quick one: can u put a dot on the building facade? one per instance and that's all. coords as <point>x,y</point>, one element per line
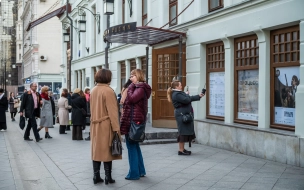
<point>41,46</point>
<point>247,54</point>
<point>9,70</point>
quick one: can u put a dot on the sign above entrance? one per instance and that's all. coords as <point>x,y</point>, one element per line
<point>122,28</point>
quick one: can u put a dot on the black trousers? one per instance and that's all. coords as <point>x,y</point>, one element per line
<point>13,114</point>
<point>32,124</point>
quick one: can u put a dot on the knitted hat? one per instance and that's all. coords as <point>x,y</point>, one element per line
<point>77,90</point>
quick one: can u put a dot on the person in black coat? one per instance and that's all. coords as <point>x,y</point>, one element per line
<point>182,104</point>
<point>3,108</point>
<point>79,110</point>
<point>30,107</point>
<point>69,97</point>
<point>53,105</point>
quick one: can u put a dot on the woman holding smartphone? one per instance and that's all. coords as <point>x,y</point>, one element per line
<point>182,104</point>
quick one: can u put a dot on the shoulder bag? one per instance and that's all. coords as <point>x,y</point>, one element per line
<point>137,130</point>
<point>116,145</point>
<point>187,117</point>
<point>84,113</point>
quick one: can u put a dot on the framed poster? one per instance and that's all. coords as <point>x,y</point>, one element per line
<point>285,87</point>
<point>57,87</point>
<point>42,84</point>
<point>217,93</point>
<point>248,86</point>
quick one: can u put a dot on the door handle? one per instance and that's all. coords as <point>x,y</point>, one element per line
<point>153,94</point>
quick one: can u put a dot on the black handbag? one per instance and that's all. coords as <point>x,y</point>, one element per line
<point>22,122</point>
<point>84,113</point>
<point>137,130</point>
<point>116,145</point>
<point>187,117</point>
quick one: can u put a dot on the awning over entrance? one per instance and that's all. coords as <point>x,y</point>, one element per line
<point>130,34</point>
<point>57,12</point>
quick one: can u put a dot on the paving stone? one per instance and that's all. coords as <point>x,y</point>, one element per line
<point>228,184</point>
<point>257,186</point>
<point>263,180</point>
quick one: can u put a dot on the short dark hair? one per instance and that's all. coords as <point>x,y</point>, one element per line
<point>103,76</point>
<point>64,92</point>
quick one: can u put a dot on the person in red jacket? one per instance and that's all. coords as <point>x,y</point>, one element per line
<point>136,102</point>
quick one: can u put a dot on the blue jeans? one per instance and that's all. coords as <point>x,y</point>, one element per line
<point>136,161</point>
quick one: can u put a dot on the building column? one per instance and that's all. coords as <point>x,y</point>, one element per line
<point>138,63</point>
<point>264,78</point>
<point>299,129</point>
<point>229,79</point>
<point>128,68</point>
<point>83,79</point>
<point>79,79</point>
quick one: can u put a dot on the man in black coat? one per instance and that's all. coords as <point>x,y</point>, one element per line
<point>30,107</point>
<point>3,108</point>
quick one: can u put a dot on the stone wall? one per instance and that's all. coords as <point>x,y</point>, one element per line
<point>270,144</point>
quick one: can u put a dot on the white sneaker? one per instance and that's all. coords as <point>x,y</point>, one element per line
<point>3,130</point>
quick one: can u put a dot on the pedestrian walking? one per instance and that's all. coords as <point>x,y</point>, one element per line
<point>135,106</point>
<point>53,106</point>
<point>30,107</point>
<point>63,111</point>
<point>21,97</point>
<point>182,103</point>
<point>104,125</point>
<point>79,113</point>
<point>46,115</point>
<point>3,107</point>
<point>88,118</point>
<point>13,105</point>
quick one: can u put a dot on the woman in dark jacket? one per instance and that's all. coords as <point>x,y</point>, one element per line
<point>78,117</point>
<point>12,101</point>
<point>137,103</point>
<point>182,104</point>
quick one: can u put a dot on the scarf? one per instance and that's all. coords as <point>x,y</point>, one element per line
<point>45,96</point>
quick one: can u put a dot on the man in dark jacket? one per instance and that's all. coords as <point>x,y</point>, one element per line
<point>30,107</point>
<point>3,108</point>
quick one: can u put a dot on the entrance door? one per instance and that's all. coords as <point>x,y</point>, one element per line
<point>165,64</point>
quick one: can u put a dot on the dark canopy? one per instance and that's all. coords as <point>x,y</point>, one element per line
<point>130,34</point>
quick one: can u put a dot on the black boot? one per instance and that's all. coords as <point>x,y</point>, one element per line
<point>108,171</point>
<point>68,128</point>
<point>47,135</point>
<point>96,168</point>
<point>62,129</point>
<point>88,138</point>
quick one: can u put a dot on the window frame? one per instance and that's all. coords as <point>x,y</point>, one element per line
<point>274,65</point>
<point>143,65</point>
<point>210,70</point>
<point>122,73</point>
<point>144,16</point>
<point>215,8</point>
<point>171,4</point>
<point>132,64</point>
<point>241,68</point>
<point>123,10</point>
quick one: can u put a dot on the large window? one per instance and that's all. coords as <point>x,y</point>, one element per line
<point>144,12</point>
<point>246,79</point>
<point>123,10</point>
<point>167,69</point>
<point>144,65</point>
<point>215,81</point>
<point>285,73</point>
<point>172,12</point>
<point>132,64</point>
<point>215,4</point>
<point>122,73</point>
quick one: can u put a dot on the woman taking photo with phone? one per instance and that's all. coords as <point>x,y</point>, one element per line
<point>183,114</point>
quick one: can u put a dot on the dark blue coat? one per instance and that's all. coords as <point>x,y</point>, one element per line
<point>182,104</point>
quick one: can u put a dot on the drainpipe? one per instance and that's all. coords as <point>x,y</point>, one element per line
<point>69,64</point>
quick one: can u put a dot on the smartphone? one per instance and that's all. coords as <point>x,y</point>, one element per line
<point>204,90</point>
<point>187,89</point>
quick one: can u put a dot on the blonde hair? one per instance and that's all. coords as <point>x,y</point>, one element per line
<point>174,84</point>
<point>44,89</point>
<point>139,74</point>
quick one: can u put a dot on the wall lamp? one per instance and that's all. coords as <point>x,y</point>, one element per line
<point>82,23</point>
<point>66,36</point>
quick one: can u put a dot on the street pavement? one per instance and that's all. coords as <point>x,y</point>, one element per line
<point>61,163</point>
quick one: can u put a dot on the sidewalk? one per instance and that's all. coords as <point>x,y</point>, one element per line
<point>61,163</point>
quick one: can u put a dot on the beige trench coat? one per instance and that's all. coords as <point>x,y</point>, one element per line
<point>104,121</point>
<point>63,112</point>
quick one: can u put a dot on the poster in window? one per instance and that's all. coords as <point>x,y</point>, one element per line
<point>42,84</point>
<point>217,94</point>
<point>57,87</point>
<point>285,87</point>
<point>248,86</point>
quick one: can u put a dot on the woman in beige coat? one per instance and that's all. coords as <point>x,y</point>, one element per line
<point>63,111</point>
<point>104,124</point>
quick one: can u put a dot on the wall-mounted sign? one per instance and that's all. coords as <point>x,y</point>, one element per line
<point>122,28</point>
